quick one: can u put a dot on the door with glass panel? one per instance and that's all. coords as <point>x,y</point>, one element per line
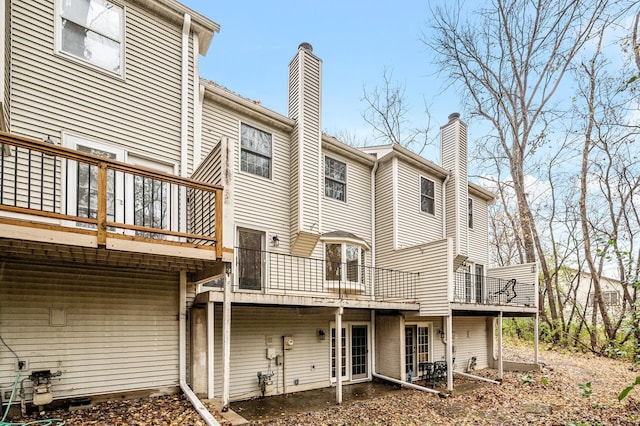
<point>250,259</point>
<point>359,352</point>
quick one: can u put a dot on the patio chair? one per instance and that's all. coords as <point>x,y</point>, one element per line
<point>439,372</point>
<point>426,371</point>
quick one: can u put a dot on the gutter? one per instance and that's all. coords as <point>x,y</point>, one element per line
<point>197,404</point>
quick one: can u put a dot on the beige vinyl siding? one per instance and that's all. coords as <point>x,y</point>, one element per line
<point>121,329</point>
<point>52,93</point>
<point>354,215</point>
<point>253,329</point>
<point>526,275</point>
<point>470,339</point>
<point>384,211</point>
<point>294,189</point>
<point>389,346</point>
<point>414,225</point>
<point>6,72</point>
<point>210,168</point>
<point>311,167</point>
<point>216,123</point>
<point>479,234</point>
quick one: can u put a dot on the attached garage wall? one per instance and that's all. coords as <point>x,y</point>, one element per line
<point>107,330</point>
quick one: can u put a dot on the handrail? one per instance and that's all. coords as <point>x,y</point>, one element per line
<point>44,180</point>
<point>485,290</point>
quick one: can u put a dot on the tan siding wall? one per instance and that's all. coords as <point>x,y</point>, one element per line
<point>253,329</point>
<point>7,65</point>
<point>384,211</point>
<point>479,234</point>
<point>210,168</point>
<point>354,215</point>
<point>310,114</point>
<point>51,93</point>
<point>121,330</point>
<point>389,346</point>
<point>414,225</point>
<point>470,340</point>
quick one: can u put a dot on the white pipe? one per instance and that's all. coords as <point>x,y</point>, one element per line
<point>373,230</point>
<point>182,343</point>
<point>471,376</point>
<point>407,384</point>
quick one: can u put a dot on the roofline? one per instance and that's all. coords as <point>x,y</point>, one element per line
<point>175,11</point>
<point>398,150</point>
<point>481,192</point>
<point>334,144</point>
<point>246,106</point>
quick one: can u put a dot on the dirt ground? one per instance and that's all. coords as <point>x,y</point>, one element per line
<point>571,389</point>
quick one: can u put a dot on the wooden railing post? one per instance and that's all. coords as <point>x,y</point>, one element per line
<point>218,231</point>
<point>102,204</point>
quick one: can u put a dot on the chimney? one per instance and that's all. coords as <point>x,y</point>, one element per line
<point>453,156</point>
<point>305,71</point>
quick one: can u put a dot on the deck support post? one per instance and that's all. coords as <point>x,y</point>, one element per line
<point>500,367</point>
<point>226,340</point>
<point>338,354</point>
<point>449,352</point>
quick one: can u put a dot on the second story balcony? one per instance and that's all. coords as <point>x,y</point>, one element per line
<point>470,288</point>
<point>85,198</point>
<point>269,273</point>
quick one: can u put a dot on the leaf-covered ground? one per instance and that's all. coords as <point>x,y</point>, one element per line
<point>557,395</point>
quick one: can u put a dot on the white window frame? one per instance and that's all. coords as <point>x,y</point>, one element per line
<point>348,325</point>
<point>346,173</point>
<point>432,213</point>
<point>429,326</point>
<point>470,213</point>
<point>240,149</point>
<point>58,40</point>
<point>264,270</point>
<point>343,282</point>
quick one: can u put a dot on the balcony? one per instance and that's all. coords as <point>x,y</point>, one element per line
<point>482,290</point>
<point>55,195</point>
<point>283,274</point>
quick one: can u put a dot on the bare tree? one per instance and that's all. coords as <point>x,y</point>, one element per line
<point>387,112</point>
<point>509,61</point>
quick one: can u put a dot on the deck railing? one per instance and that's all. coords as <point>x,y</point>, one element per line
<point>94,194</point>
<point>480,289</point>
<point>279,273</point>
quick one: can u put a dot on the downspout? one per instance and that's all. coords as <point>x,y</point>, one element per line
<point>182,318</point>
<point>373,229</point>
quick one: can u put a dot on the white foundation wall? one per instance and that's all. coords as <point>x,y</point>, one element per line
<point>255,328</point>
<point>106,330</point>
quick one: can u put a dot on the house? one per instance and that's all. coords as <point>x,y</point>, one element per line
<point>376,248</point>
<point>159,232</point>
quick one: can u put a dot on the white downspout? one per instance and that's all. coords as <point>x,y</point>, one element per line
<point>373,230</point>
<point>182,344</point>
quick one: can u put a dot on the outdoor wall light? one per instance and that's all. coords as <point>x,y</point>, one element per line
<point>49,140</point>
<point>321,334</point>
<point>227,268</point>
<point>276,241</point>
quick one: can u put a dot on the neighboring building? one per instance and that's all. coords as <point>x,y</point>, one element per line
<point>176,234</point>
<point>579,290</point>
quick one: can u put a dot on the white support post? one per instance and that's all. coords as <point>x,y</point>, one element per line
<point>373,342</point>
<point>210,350</point>
<point>226,342</point>
<point>535,340</point>
<point>338,352</point>
<point>500,370</point>
<point>449,353</point>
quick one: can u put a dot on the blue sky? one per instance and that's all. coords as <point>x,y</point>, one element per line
<point>356,40</point>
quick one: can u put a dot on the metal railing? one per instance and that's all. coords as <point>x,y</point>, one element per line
<point>94,194</point>
<point>480,289</point>
<point>279,273</point>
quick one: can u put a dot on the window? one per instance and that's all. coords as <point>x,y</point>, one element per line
<point>479,284</point>
<point>93,30</point>
<point>335,179</point>
<point>427,196</point>
<point>255,151</point>
<point>250,259</point>
<point>611,298</point>
<point>343,262</point>
<point>470,212</point>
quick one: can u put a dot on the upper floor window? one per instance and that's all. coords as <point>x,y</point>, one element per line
<point>427,196</point>
<point>343,262</point>
<point>335,179</point>
<point>611,298</point>
<point>93,30</point>
<point>255,151</point>
<point>470,212</point>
